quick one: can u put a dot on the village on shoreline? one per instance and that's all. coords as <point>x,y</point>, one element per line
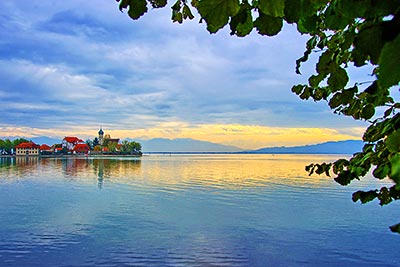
<point>102,145</point>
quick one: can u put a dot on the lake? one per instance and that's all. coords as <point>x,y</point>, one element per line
<point>188,210</point>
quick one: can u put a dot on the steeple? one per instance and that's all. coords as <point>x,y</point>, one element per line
<point>101,136</point>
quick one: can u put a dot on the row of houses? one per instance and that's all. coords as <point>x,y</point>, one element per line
<point>70,144</point>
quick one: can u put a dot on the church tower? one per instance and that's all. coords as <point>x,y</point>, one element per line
<point>101,136</point>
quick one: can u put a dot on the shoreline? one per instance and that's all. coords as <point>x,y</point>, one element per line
<point>70,156</point>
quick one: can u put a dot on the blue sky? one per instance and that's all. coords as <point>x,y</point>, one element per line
<point>67,67</point>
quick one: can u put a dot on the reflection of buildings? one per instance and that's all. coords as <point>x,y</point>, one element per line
<point>88,168</point>
<point>118,169</point>
<point>27,162</point>
<point>75,167</point>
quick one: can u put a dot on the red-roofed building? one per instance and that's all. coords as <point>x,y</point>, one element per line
<point>81,148</point>
<point>27,149</point>
<point>69,142</point>
<point>45,147</point>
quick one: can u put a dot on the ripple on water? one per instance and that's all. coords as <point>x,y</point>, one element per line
<point>201,255</point>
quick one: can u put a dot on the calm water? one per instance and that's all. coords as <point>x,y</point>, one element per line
<point>201,210</point>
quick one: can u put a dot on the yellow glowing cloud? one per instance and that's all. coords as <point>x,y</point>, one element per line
<point>243,136</point>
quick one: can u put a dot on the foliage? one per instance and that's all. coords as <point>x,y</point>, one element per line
<point>7,145</point>
<point>131,147</point>
<point>345,33</point>
<point>90,144</point>
<point>112,146</point>
<point>95,142</point>
<point>97,148</point>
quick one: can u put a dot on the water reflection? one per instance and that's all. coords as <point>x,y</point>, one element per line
<point>233,171</point>
<point>175,173</point>
<point>197,210</point>
<point>82,169</point>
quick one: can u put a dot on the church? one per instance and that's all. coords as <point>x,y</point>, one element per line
<point>106,139</point>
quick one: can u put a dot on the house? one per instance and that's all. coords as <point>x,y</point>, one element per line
<point>69,142</point>
<point>107,140</point>
<point>81,148</point>
<point>58,150</point>
<point>27,149</point>
<point>45,148</point>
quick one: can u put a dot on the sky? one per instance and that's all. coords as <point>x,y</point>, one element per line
<point>71,67</point>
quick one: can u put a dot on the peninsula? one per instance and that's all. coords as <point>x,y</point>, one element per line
<point>102,144</point>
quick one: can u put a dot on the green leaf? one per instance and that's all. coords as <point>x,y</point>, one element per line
<point>216,13</point>
<point>292,10</point>
<point>268,25</point>
<point>158,3</point>
<point>382,8</point>
<point>364,197</point>
<point>353,8</point>
<point>388,112</point>
<point>369,42</point>
<point>308,24</point>
<point>177,16</point>
<point>338,79</point>
<point>393,141</point>
<point>326,64</point>
<point>137,8</point>
<point>358,57</point>
<point>381,171</point>
<point>319,94</point>
<point>339,165</point>
<point>297,89</point>
<point>384,196</point>
<point>348,95</point>
<point>395,228</point>
<point>306,93</point>
<point>315,80</point>
<point>124,4</point>
<point>242,23</point>
<point>335,101</point>
<point>368,111</point>
<point>187,13</point>
<point>344,177</point>
<point>395,169</point>
<point>335,20</point>
<point>389,70</point>
<point>304,58</point>
<point>177,6</point>
<point>273,8</point>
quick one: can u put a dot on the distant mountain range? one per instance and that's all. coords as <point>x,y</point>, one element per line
<point>183,145</point>
<point>339,147</point>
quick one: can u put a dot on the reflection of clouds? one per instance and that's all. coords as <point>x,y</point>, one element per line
<point>232,171</point>
<point>176,172</point>
<point>179,171</point>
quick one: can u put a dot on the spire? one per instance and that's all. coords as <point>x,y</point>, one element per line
<point>101,131</point>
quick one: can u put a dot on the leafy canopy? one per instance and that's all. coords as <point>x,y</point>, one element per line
<point>344,33</point>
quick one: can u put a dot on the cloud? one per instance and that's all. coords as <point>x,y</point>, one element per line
<point>243,136</point>
<point>69,65</point>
